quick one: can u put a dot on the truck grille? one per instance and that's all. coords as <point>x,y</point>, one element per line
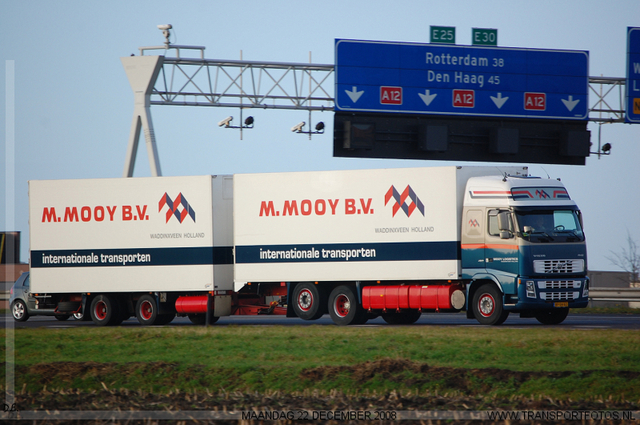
<point>558,266</point>
<point>559,296</point>
<point>558,284</point>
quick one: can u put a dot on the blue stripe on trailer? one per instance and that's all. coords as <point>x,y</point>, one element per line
<point>181,256</point>
<point>344,252</point>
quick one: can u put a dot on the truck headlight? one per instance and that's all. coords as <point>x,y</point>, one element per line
<point>531,289</point>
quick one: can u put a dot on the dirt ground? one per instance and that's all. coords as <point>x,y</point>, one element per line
<point>466,384</point>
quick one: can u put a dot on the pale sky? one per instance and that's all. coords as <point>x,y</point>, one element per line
<point>73,103</point>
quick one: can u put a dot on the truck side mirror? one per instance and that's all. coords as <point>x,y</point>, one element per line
<point>503,221</point>
<point>504,225</point>
<point>580,219</point>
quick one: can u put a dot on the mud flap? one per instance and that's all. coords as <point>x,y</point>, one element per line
<point>222,305</point>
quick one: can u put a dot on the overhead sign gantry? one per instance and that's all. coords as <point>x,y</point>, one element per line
<point>178,78</point>
<point>414,78</point>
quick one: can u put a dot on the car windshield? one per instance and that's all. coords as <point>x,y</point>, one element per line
<point>542,226</point>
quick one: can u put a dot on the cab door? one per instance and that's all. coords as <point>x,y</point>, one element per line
<point>501,250</point>
<point>472,244</point>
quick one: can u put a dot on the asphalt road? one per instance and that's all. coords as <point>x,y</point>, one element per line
<point>574,321</point>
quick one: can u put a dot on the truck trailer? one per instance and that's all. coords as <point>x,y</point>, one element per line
<point>354,244</point>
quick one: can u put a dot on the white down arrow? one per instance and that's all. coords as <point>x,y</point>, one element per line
<point>354,94</point>
<point>570,103</point>
<point>427,97</point>
<point>499,101</point>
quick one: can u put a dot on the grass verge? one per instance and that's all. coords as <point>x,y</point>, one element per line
<point>486,362</point>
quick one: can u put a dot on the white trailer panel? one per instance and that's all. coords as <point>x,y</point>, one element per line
<point>391,224</point>
<point>130,235</point>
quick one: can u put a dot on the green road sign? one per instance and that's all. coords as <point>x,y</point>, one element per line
<point>484,37</point>
<point>444,35</point>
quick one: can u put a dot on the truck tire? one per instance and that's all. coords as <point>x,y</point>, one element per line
<point>19,311</point>
<point>344,308</point>
<point>403,318</point>
<point>68,306</point>
<point>309,301</point>
<point>105,311</point>
<point>552,317</point>
<point>147,310</point>
<point>200,318</point>
<point>487,306</point>
<point>62,317</point>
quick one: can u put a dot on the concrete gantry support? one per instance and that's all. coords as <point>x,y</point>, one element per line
<point>142,72</point>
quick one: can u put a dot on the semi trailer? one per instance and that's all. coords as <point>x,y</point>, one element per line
<point>354,244</point>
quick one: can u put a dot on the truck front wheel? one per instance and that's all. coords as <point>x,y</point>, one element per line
<point>104,310</point>
<point>344,308</point>
<point>487,306</point>
<point>309,301</point>
<point>552,317</point>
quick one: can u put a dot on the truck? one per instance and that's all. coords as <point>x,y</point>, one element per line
<point>354,244</point>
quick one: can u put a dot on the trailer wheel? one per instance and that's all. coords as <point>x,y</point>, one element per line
<point>19,311</point>
<point>487,306</point>
<point>552,317</point>
<point>68,306</point>
<point>309,301</point>
<point>404,318</point>
<point>344,308</point>
<point>105,311</point>
<point>147,310</point>
<point>200,318</point>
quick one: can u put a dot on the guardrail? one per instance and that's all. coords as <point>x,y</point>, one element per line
<point>614,294</point>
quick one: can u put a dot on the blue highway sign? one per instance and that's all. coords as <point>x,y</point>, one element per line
<point>633,75</point>
<point>416,78</point>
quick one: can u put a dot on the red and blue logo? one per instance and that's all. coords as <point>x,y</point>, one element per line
<point>541,193</point>
<point>174,207</point>
<point>408,201</point>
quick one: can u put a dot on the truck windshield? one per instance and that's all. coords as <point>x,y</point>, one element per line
<point>543,226</point>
